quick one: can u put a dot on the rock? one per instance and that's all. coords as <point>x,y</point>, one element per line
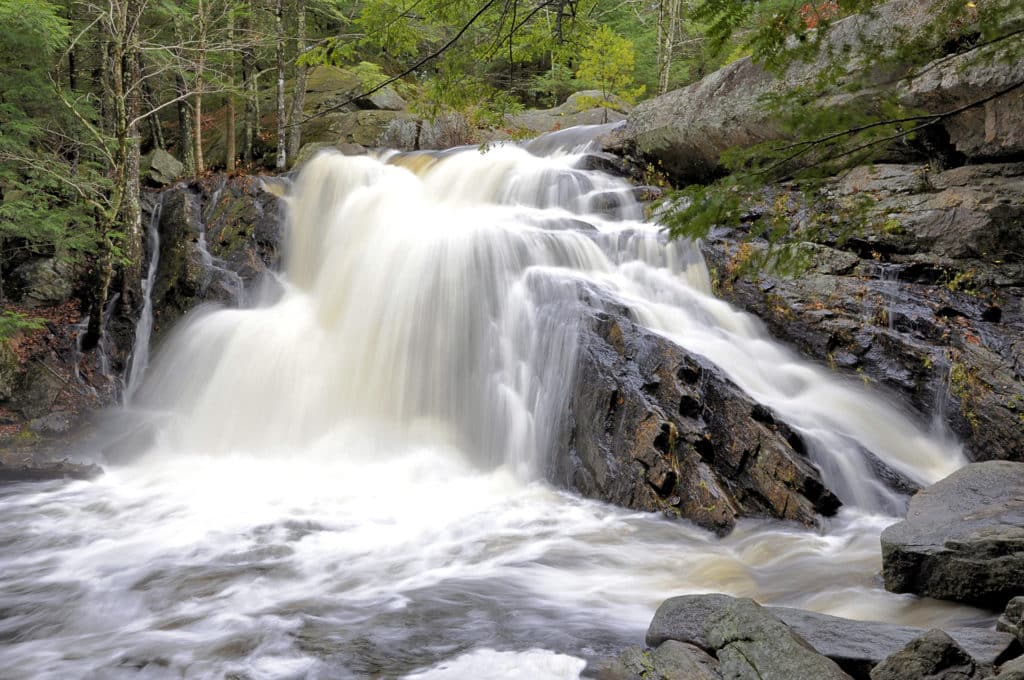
<point>857,646</point>
<point>963,538</point>
<point>10,369</point>
<point>384,99</point>
<point>752,643</point>
<point>589,107</point>
<point>1012,619</point>
<point>686,131</point>
<point>65,469</point>
<point>161,168</point>
<point>42,282</point>
<point>924,301</point>
<point>38,392</point>
<point>670,661</point>
<point>1011,670</point>
<point>934,655</point>
<point>652,426</point>
<point>56,422</point>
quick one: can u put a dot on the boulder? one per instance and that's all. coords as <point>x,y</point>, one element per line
<point>161,168</point>
<point>10,369</point>
<point>589,107</point>
<point>652,426</point>
<point>670,661</point>
<point>687,130</point>
<point>933,656</point>
<point>39,390</point>
<point>751,643</point>
<point>56,422</point>
<point>64,469</point>
<point>963,538</point>
<point>857,646</point>
<point>1012,619</point>
<point>42,282</point>
<point>1011,670</point>
<point>384,99</point>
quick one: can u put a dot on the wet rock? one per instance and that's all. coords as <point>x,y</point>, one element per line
<point>944,334</point>
<point>963,538</point>
<point>857,646</point>
<point>654,427</point>
<point>750,642</point>
<point>64,469</point>
<point>934,655</point>
<point>670,661</point>
<point>161,168</point>
<point>1012,619</point>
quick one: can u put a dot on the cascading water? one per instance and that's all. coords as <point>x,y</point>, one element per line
<point>139,361</point>
<point>346,480</point>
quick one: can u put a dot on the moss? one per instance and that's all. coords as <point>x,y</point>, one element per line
<point>965,385</point>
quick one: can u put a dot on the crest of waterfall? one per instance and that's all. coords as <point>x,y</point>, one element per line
<point>433,298</point>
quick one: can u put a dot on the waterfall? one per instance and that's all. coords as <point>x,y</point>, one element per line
<point>346,477</point>
<point>139,360</point>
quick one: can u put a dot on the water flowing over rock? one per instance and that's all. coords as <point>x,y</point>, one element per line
<point>963,538</point>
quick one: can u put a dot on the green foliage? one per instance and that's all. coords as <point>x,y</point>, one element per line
<point>607,62</point>
<point>16,322</point>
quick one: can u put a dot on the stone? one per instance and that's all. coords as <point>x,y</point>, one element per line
<point>56,422</point>
<point>933,656</point>
<point>670,661</point>
<point>161,168</point>
<point>64,469</point>
<point>10,370</point>
<point>963,538</point>
<point>384,99</point>
<point>685,131</point>
<point>1011,670</point>
<point>38,392</point>
<point>589,107</point>
<point>857,646</point>
<point>43,282</point>
<point>1012,619</point>
<point>751,643</point>
<point>652,426</point>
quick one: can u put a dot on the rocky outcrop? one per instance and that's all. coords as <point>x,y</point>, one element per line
<point>64,469</point>
<point>856,646</point>
<point>686,130</point>
<point>671,660</point>
<point>652,426</point>
<point>589,107</point>
<point>963,538</point>
<point>1012,619</point>
<point>923,299</point>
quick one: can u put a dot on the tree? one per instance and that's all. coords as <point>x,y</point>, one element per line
<point>607,62</point>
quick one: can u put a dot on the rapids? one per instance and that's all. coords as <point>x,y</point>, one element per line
<point>346,477</point>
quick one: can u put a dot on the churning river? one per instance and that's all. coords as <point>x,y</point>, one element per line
<point>345,477</point>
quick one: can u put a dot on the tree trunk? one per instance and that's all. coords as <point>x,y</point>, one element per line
<point>229,126</point>
<point>250,124</point>
<point>668,28</point>
<point>185,144</point>
<point>299,93</point>
<point>282,149</point>
<point>200,64</point>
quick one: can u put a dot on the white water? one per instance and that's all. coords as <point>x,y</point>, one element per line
<point>139,361</point>
<point>346,481</point>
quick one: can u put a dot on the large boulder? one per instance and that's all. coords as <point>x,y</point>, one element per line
<point>652,426</point>
<point>963,538</point>
<point>933,656</point>
<point>1012,619</point>
<point>42,282</point>
<point>687,130</point>
<point>589,107</point>
<point>161,168</point>
<point>751,643</point>
<point>670,661</point>
<point>857,646</point>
